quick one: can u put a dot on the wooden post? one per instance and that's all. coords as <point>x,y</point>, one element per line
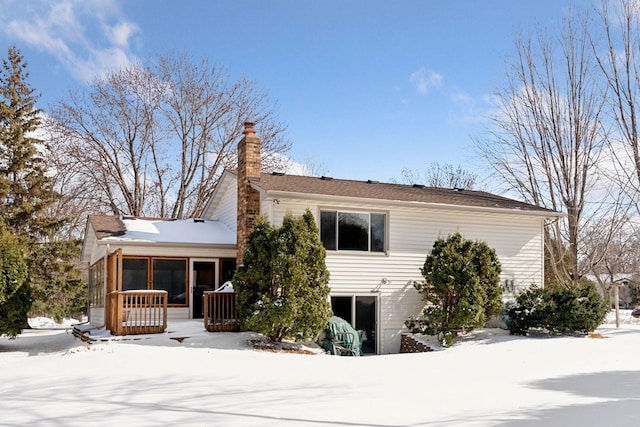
<point>617,297</point>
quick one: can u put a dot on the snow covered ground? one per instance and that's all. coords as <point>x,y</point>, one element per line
<point>49,378</point>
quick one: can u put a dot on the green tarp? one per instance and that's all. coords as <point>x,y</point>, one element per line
<point>340,333</point>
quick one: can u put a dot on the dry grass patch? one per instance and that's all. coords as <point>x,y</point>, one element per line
<point>596,335</point>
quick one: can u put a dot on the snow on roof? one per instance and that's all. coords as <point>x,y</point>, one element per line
<point>176,231</point>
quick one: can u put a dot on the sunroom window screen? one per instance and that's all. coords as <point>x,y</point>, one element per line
<point>134,273</point>
<point>171,275</point>
<point>165,275</point>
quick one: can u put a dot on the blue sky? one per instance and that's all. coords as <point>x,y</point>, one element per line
<point>366,88</point>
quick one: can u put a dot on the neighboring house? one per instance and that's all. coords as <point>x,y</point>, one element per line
<point>626,286</point>
<point>377,237</point>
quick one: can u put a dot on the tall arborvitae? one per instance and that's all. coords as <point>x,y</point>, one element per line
<point>282,286</point>
<point>15,296</point>
<point>26,192</point>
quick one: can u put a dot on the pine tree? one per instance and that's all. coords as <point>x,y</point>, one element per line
<point>57,287</point>
<point>25,188</point>
<point>26,192</point>
<point>282,285</point>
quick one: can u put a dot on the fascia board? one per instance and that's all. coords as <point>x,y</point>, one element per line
<point>411,204</point>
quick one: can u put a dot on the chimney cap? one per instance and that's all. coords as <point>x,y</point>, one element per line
<point>249,128</point>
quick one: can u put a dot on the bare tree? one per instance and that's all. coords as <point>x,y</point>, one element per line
<point>152,139</point>
<point>609,250</point>
<point>547,136</point>
<point>308,167</point>
<point>441,175</point>
<point>619,61</point>
<point>77,196</point>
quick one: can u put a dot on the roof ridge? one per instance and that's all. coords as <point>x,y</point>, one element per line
<point>392,191</point>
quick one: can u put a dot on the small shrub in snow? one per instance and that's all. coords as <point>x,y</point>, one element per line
<point>528,312</point>
<point>558,309</point>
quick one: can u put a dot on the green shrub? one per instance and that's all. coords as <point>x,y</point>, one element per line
<point>461,288</point>
<point>282,285</point>
<point>557,309</point>
<point>15,294</point>
<point>57,288</point>
<point>528,311</point>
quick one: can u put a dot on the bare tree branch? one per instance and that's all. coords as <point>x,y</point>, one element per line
<point>441,175</point>
<point>153,140</point>
<point>548,134</point>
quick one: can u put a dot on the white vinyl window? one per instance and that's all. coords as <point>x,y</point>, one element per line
<point>353,231</point>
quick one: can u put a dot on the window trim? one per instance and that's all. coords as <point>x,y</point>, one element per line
<point>337,211</point>
<point>97,284</point>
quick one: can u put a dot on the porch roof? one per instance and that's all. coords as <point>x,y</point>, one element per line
<point>184,231</point>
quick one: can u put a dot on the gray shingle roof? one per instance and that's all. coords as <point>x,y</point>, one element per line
<point>107,226</point>
<point>391,192</point>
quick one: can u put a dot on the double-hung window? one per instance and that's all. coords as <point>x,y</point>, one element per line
<point>353,231</point>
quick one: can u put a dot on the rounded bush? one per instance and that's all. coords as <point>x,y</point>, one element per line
<point>461,287</point>
<point>558,310</point>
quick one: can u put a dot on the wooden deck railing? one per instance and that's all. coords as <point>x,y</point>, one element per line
<point>220,312</point>
<point>137,312</point>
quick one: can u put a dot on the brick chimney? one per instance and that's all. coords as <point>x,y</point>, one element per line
<point>248,198</point>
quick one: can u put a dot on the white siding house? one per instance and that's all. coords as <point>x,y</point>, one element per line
<point>380,284</point>
<point>371,275</point>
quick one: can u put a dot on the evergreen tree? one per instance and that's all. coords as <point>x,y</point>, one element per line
<point>282,285</point>
<point>24,185</point>
<point>15,295</point>
<point>461,287</point>
<point>59,290</point>
<point>26,192</point>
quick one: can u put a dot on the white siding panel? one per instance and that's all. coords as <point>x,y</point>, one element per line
<point>226,209</point>
<point>97,253</point>
<point>96,316</point>
<point>517,239</point>
<point>284,206</point>
<point>178,313</point>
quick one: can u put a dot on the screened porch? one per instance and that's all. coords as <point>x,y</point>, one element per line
<point>142,291</point>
